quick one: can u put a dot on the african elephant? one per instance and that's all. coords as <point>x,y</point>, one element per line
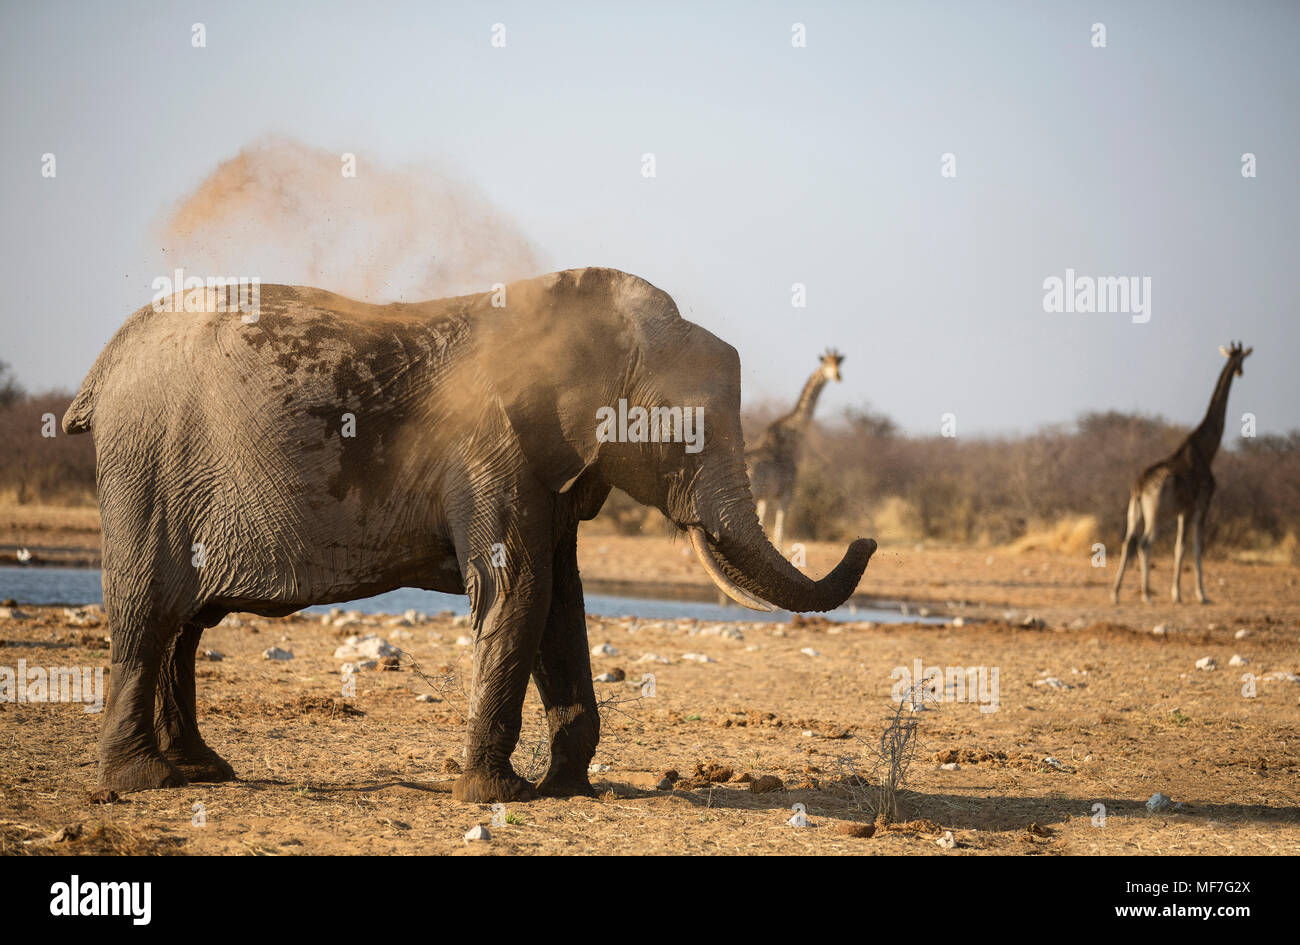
<point>229,480</point>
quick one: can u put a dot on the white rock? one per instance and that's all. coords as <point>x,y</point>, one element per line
<point>698,658</point>
<point>1053,682</point>
<point>349,668</point>
<point>1158,802</point>
<point>477,833</point>
<point>1242,633</point>
<point>369,646</point>
<point>597,768</point>
<point>230,620</point>
<point>809,651</point>
<point>212,656</point>
<point>1053,763</point>
<point>947,841</point>
<point>399,622</point>
<point>80,616</point>
<point>959,621</point>
<point>654,658</point>
<point>1160,630</point>
<point>414,617</point>
<point>464,641</point>
<point>1207,663</point>
<point>605,677</point>
<point>950,766</point>
<point>1238,660</point>
<point>1282,676</point>
<point>604,649</point>
<point>275,653</point>
<point>425,697</point>
<point>335,613</point>
<point>13,613</point>
<point>326,620</point>
<point>347,621</point>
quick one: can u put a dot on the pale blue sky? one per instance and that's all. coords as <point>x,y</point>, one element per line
<point>775,165</point>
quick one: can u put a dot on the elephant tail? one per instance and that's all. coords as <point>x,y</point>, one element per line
<point>79,415</point>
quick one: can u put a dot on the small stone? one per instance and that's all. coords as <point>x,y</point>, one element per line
<point>425,697</point>
<point>1207,663</point>
<point>212,656</point>
<point>1160,630</point>
<point>698,658</point>
<point>276,653</point>
<point>654,658</point>
<point>597,768</point>
<point>950,766</point>
<point>477,833</point>
<point>1053,682</point>
<point>809,651</point>
<point>956,622</point>
<point>1158,802</point>
<point>604,649</point>
<point>1242,634</point>
<point>13,613</point>
<point>230,620</point>
<point>606,678</point>
<point>947,841</point>
<point>1238,660</point>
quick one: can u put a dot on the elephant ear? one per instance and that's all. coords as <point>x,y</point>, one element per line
<point>555,355</point>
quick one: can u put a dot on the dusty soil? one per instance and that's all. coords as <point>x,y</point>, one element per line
<point>370,773</point>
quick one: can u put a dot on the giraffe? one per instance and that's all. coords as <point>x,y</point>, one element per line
<point>1184,479</point>
<point>772,461</point>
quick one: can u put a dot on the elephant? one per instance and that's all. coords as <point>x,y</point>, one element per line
<point>326,450</point>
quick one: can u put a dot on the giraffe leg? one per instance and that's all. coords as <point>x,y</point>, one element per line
<point>1177,591</point>
<point>1197,521</point>
<point>778,526</point>
<point>1150,505</point>
<point>1130,545</point>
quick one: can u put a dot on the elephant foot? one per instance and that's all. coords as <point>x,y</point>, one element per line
<point>565,784</point>
<point>139,772</point>
<point>480,786</point>
<point>201,764</point>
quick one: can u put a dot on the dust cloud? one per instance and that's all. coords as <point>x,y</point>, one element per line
<point>284,212</point>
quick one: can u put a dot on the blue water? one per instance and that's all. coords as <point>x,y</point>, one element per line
<point>80,586</point>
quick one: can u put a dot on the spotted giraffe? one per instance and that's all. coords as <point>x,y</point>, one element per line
<point>773,460</point>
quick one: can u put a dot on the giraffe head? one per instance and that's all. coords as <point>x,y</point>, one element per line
<point>831,364</point>
<point>1235,355</point>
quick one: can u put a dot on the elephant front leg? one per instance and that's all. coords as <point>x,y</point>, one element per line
<point>510,594</point>
<point>562,673</point>
<point>176,717</point>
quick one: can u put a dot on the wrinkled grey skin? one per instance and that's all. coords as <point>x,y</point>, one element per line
<point>474,425</point>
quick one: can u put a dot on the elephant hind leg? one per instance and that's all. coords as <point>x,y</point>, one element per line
<point>562,673</point>
<point>129,757</point>
<point>176,719</point>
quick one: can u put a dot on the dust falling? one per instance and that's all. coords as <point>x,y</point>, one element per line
<point>285,213</point>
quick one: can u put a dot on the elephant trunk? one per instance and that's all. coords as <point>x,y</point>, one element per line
<point>747,560</point>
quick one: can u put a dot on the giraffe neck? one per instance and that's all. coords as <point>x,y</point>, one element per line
<point>1209,434</point>
<point>803,410</point>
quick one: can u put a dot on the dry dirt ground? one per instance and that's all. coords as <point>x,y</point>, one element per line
<point>805,704</point>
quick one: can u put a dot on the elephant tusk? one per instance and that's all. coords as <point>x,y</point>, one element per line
<point>725,584</point>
